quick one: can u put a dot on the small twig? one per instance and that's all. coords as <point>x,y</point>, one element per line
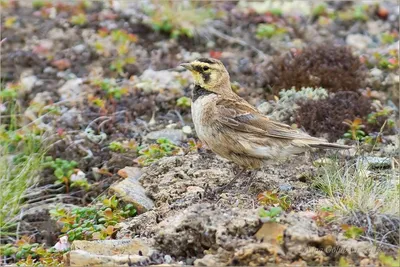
<point>19,222</point>
<point>179,117</point>
<point>45,189</point>
<point>238,41</point>
<point>380,242</point>
<point>103,117</point>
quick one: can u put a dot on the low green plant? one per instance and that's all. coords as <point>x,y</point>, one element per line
<point>355,132</point>
<point>64,171</point>
<point>110,87</point>
<point>265,30</point>
<point>194,145</point>
<point>272,215</point>
<point>375,117</point>
<point>324,216</point>
<point>358,13</point>
<point>10,92</point>
<point>120,41</point>
<point>351,231</point>
<point>273,198</point>
<point>275,11</point>
<point>97,101</point>
<point>93,222</point>
<point>119,64</point>
<point>389,261</point>
<point>178,18</point>
<point>125,146</point>
<point>319,10</point>
<point>154,152</point>
<point>343,262</point>
<point>38,4</point>
<point>32,254</point>
<point>79,19</point>
<point>184,102</point>
<point>389,38</point>
<point>385,61</point>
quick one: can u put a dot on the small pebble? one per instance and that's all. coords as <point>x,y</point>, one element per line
<point>167,259</point>
<point>285,187</point>
<point>79,48</point>
<point>187,129</point>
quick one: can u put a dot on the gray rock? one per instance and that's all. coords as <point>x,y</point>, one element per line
<point>302,239</point>
<point>57,34</point>
<point>71,88</point>
<point>109,252</point>
<point>131,191</point>
<point>79,48</point>
<point>139,225</point>
<point>371,162</point>
<point>376,72</point>
<point>205,226</point>
<point>49,70</point>
<point>285,187</point>
<point>71,118</point>
<point>28,83</point>
<point>152,80</point>
<point>174,135</point>
<point>358,41</point>
<point>168,259</point>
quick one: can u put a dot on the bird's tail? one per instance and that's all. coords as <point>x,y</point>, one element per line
<point>315,142</point>
<point>326,145</point>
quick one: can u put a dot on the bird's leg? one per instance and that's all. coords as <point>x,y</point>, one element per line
<point>253,174</point>
<point>212,193</point>
<point>231,182</point>
<point>221,189</point>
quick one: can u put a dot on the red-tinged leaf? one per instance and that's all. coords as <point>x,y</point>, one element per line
<point>215,54</point>
<point>40,49</point>
<point>20,242</point>
<point>108,213</point>
<point>122,173</point>
<point>383,12</point>
<point>60,131</point>
<point>61,64</point>
<point>109,230</point>
<point>103,32</point>
<point>393,61</point>
<point>132,37</point>
<point>345,227</point>
<point>96,236</point>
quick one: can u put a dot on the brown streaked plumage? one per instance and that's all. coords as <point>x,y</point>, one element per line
<point>234,129</point>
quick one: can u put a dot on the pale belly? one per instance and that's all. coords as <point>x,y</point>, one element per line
<point>201,120</point>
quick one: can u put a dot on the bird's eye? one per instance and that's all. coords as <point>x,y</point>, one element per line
<point>205,68</point>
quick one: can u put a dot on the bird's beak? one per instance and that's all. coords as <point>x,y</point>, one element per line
<point>187,66</point>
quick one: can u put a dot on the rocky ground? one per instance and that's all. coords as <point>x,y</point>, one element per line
<point>98,83</point>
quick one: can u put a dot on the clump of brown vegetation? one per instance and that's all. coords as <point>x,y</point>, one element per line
<point>325,117</point>
<point>321,65</point>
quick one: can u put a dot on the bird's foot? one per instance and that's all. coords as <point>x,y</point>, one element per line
<point>213,193</point>
<point>249,182</point>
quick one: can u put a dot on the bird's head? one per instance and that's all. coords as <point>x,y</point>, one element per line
<point>210,74</point>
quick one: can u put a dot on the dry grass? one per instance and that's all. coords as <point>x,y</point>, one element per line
<point>365,198</point>
<point>21,153</point>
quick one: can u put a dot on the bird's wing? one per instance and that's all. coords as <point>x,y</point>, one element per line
<point>241,116</point>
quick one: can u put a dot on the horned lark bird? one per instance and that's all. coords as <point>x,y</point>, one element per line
<point>234,129</point>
